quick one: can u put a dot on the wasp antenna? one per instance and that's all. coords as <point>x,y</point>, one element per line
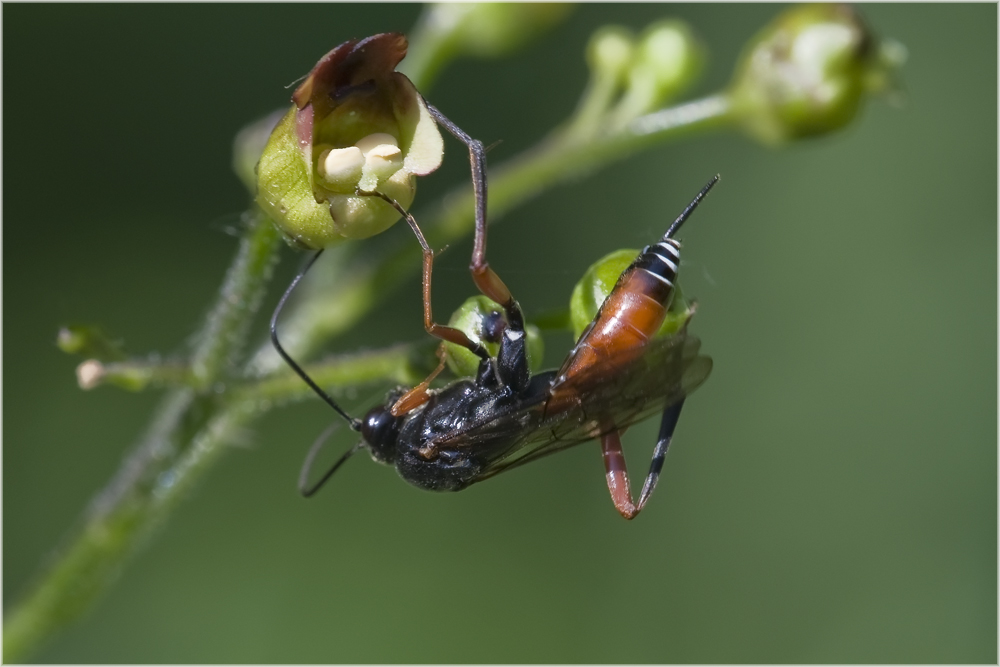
<point>354,423</point>
<point>304,487</point>
<point>690,208</point>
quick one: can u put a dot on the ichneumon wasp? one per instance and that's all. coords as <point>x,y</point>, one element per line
<point>618,373</point>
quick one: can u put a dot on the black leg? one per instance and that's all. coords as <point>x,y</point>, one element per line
<point>667,425</point>
<point>617,471</point>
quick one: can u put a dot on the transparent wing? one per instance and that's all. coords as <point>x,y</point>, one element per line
<point>609,396</point>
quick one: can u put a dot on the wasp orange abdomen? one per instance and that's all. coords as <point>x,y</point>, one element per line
<point>629,317</point>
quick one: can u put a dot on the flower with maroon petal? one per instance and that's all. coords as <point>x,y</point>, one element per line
<point>356,127</point>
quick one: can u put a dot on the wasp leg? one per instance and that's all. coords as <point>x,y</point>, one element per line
<point>446,333</point>
<point>617,471</point>
<point>486,279</point>
<point>419,395</point>
<point>512,360</point>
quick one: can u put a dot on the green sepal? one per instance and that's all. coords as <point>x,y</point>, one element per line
<point>285,193</point>
<point>469,319</point>
<point>598,281</point>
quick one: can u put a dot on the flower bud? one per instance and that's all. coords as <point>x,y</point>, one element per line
<point>666,59</point>
<point>356,126</point>
<point>598,281</point>
<point>482,320</point>
<point>807,72</point>
<point>610,51</point>
<point>89,341</point>
<point>492,29</point>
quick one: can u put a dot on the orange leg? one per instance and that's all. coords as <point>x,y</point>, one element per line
<point>446,333</point>
<point>419,395</point>
<point>617,471</point>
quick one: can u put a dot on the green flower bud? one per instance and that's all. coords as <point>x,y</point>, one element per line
<point>89,341</point>
<point>666,60</point>
<point>481,29</point>
<point>356,126</point>
<point>807,73</point>
<point>92,374</point>
<point>472,317</point>
<point>610,51</point>
<point>492,29</point>
<point>598,281</point>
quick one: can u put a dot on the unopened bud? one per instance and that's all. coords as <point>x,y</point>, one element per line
<point>610,51</point>
<point>671,55</point>
<point>493,29</point>
<point>667,58</point>
<point>807,73</point>
<point>89,374</point>
<point>89,341</point>
<point>482,321</point>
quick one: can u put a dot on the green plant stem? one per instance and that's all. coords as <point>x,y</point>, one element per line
<point>432,46</point>
<point>136,497</point>
<point>222,338</point>
<point>401,364</point>
<point>194,424</point>
<point>135,374</point>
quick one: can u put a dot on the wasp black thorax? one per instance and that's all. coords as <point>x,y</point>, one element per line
<point>421,457</point>
<point>434,450</point>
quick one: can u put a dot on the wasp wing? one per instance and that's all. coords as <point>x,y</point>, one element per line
<point>610,395</point>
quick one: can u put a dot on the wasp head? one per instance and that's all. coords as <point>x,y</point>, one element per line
<point>380,429</point>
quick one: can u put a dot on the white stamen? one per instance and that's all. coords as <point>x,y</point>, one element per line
<point>342,166</point>
<point>385,151</point>
<point>376,140</point>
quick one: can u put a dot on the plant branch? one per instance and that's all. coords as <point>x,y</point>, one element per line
<point>345,289</point>
<point>129,505</point>
<point>195,423</point>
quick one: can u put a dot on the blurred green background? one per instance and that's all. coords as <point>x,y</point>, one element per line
<point>831,493</point>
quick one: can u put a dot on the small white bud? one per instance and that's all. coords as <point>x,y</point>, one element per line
<point>89,374</point>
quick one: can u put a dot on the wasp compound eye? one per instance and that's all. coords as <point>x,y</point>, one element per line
<point>381,430</point>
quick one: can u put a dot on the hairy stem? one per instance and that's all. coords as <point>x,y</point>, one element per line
<point>195,423</point>
<point>186,426</point>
